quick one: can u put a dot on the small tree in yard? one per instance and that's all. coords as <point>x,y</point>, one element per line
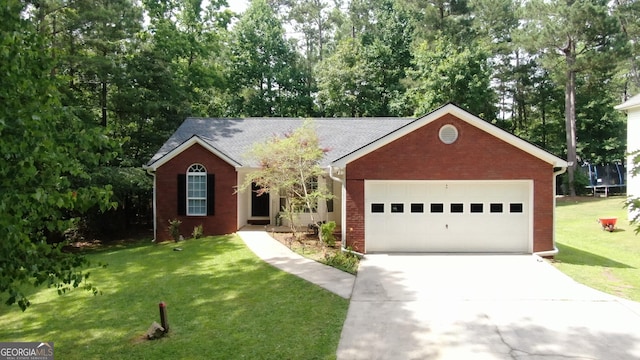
<point>290,167</point>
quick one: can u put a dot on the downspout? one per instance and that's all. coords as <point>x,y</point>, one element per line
<point>155,225</point>
<point>343,214</point>
<point>554,252</point>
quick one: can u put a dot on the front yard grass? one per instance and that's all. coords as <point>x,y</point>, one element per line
<point>607,261</point>
<point>222,302</point>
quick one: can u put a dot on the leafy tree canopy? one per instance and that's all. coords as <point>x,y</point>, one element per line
<point>445,73</point>
<point>47,156</point>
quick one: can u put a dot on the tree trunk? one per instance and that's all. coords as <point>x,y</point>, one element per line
<point>570,114</point>
<point>544,126</point>
<point>103,95</point>
<point>103,104</point>
<point>320,38</point>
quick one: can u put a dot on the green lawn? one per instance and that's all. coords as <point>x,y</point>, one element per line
<point>607,261</point>
<point>222,301</point>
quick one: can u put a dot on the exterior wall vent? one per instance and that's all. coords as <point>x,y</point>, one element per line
<point>448,134</point>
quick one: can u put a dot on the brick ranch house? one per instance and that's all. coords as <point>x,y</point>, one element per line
<point>444,182</point>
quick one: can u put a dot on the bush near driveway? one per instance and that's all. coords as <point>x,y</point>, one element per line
<point>607,261</point>
<point>222,302</point>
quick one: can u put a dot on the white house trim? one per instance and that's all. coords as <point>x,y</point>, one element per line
<point>195,139</point>
<point>632,103</point>
<point>632,108</point>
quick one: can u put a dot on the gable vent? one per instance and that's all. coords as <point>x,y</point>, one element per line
<point>448,134</point>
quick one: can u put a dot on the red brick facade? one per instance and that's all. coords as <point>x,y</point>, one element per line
<point>224,220</point>
<point>476,154</point>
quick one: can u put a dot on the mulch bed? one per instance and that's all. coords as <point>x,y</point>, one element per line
<point>307,244</point>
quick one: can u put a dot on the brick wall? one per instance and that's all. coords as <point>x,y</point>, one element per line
<point>355,214</point>
<point>476,154</point>
<point>224,221</point>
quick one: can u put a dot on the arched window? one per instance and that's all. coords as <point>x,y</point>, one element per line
<point>196,190</point>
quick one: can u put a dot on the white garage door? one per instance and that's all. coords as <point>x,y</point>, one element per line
<point>448,216</point>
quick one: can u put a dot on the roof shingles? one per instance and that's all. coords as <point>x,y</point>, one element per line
<point>235,137</point>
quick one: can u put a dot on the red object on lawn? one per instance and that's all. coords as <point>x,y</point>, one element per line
<point>608,224</point>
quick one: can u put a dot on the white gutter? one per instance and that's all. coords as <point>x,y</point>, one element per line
<point>333,176</point>
<point>150,171</point>
<point>343,214</point>
<point>554,252</point>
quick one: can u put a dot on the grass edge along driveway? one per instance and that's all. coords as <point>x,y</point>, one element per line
<point>223,303</point>
<point>606,261</point>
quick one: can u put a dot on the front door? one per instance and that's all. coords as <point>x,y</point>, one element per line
<point>259,204</point>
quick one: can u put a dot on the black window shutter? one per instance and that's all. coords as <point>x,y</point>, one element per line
<point>182,194</point>
<point>211,198</point>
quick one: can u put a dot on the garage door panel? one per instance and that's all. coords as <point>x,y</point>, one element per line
<point>449,216</point>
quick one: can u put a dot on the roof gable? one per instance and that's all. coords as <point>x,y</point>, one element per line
<point>195,139</point>
<point>462,115</point>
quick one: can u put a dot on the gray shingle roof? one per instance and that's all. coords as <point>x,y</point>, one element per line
<point>234,136</point>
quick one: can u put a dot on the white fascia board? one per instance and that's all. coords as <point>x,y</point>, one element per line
<point>509,138</point>
<point>630,104</point>
<point>187,144</point>
<point>463,115</point>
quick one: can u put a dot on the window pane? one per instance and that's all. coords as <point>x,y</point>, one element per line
<point>197,186</point>
<point>417,208</point>
<point>377,208</point>
<point>515,207</point>
<point>197,168</point>
<point>197,191</point>
<point>437,208</point>
<point>476,208</point>
<point>312,184</point>
<point>305,208</point>
<point>457,208</point>
<point>496,208</point>
<point>397,208</point>
<point>197,207</point>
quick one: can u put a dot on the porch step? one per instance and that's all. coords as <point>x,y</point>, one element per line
<point>258,222</point>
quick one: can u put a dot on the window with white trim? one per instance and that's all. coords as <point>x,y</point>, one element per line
<point>312,185</point>
<point>197,190</point>
<point>298,202</point>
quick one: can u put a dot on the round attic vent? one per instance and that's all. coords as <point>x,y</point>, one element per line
<point>448,134</point>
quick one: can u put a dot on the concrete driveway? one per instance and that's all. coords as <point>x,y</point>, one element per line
<point>482,307</point>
